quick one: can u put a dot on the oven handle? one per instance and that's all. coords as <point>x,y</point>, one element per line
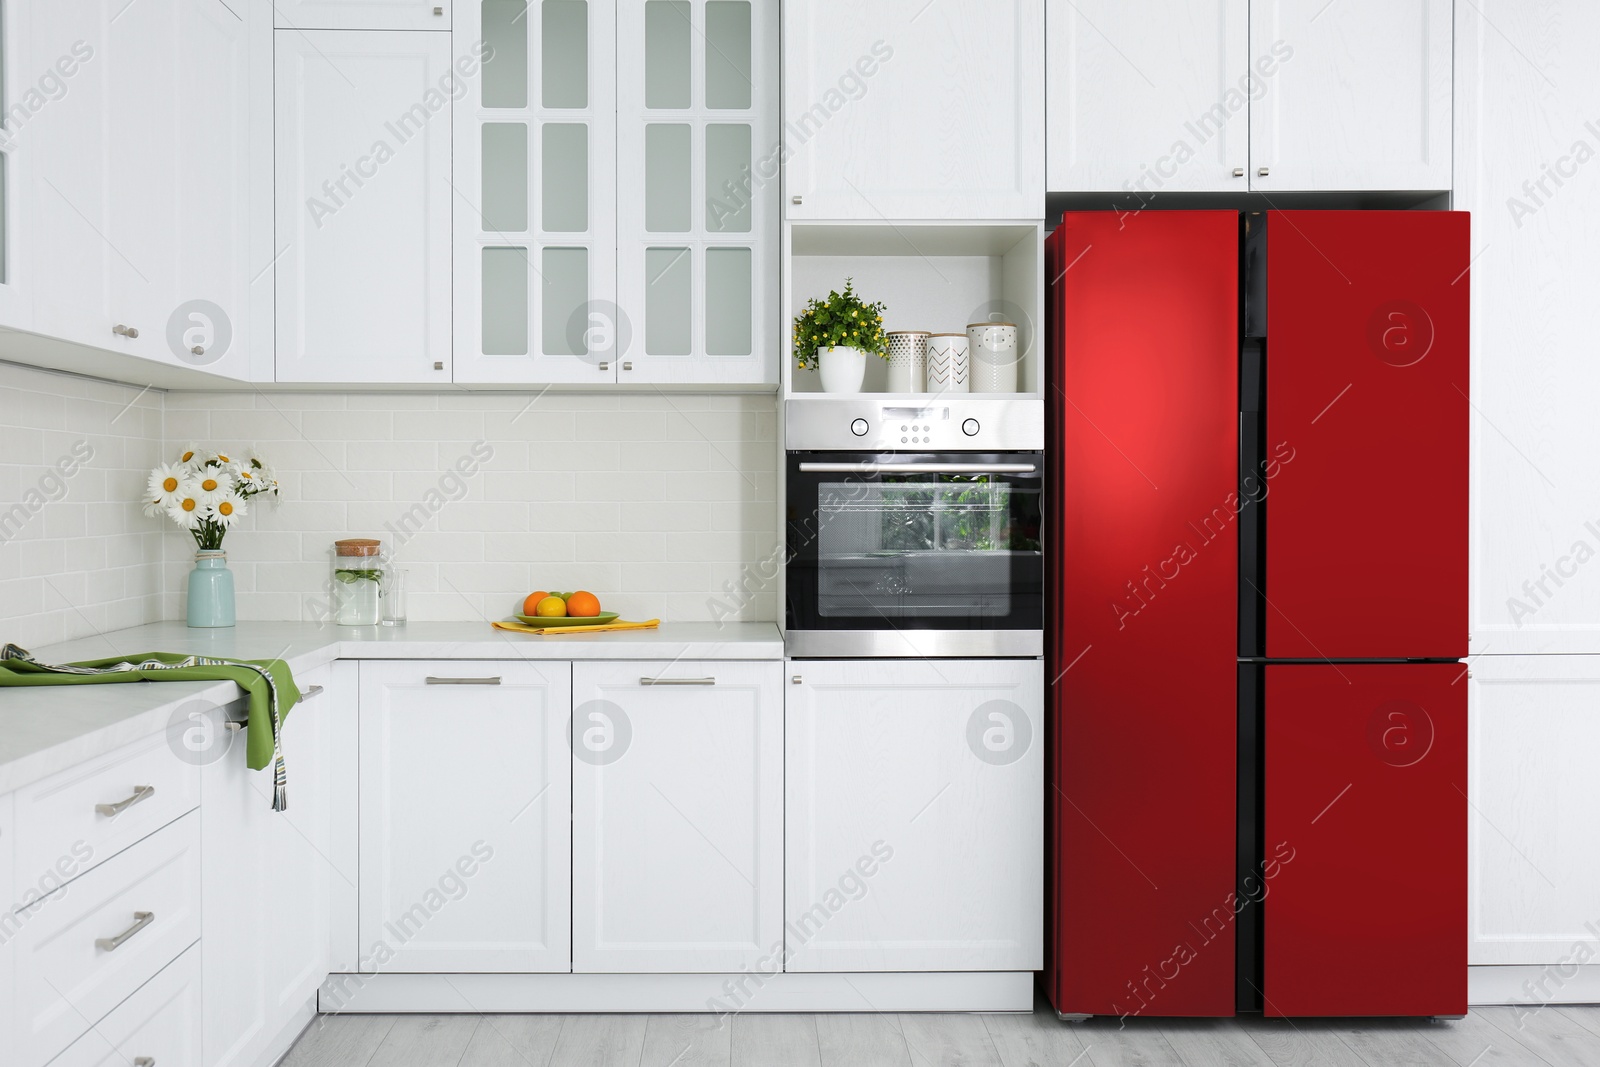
<point>918,468</point>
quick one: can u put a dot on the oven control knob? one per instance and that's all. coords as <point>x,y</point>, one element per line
<point>970,427</point>
<point>859,427</point>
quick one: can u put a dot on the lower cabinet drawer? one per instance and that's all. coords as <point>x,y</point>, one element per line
<point>84,948</point>
<point>72,821</point>
<point>158,1026</point>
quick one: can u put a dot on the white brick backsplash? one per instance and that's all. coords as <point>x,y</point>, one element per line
<point>651,502</point>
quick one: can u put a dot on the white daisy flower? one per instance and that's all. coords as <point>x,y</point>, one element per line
<point>211,484</point>
<point>263,473</point>
<point>152,508</point>
<point>227,509</point>
<point>192,456</point>
<point>187,509</point>
<point>165,481</point>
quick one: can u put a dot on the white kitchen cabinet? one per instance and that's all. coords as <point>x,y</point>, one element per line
<point>138,181</point>
<point>1146,101</point>
<point>535,176</point>
<point>1534,874</point>
<point>8,895</point>
<point>914,817</point>
<point>158,1026</point>
<point>363,14</point>
<point>270,879</point>
<point>677,815</point>
<point>363,205</point>
<point>1360,100</point>
<point>465,816</point>
<point>698,228</point>
<point>909,110</point>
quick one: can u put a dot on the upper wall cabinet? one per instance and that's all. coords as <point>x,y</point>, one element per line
<point>535,184</point>
<point>698,224</point>
<point>136,180</point>
<point>1361,97</point>
<point>362,14</point>
<point>1148,104</point>
<point>902,109</point>
<point>363,204</point>
<point>1284,95</point>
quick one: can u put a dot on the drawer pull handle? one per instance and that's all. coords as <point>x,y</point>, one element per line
<point>310,691</point>
<point>463,681</point>
<point>140,793</point>
<point>233,726</point>
<point>141,919</point>
<point>677,681</point>
<point>144,1061</point>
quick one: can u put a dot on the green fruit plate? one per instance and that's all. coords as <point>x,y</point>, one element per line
<point>569,620</point>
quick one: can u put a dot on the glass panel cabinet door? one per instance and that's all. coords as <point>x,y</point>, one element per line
<point>535,191</point>
<point>697,221</point>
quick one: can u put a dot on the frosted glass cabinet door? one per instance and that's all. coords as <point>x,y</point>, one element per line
<point>902,109</point>
<point>535,200</point>
<point>698,224</point>
<point>363,206</point>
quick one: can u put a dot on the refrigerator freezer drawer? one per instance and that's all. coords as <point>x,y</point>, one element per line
<point>1365,872</point>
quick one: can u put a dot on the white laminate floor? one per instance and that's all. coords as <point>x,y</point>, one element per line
<point>1488,1037</point>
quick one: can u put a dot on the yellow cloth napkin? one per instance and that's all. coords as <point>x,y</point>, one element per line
<point>555,631</point>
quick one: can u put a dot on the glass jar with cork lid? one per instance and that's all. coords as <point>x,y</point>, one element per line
<point>358,580</point>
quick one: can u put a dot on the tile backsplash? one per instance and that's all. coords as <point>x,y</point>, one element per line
<point>662,505</point>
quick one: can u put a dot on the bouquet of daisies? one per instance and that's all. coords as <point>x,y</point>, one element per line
<point>207,492</point>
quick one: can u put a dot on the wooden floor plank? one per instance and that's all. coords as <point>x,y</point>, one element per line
<point>1212,1043</point>
<point>1127,1043</point>
<point>1300,1044</point>
<point>1036,1040</point>
<point>513,1041</point>
<point>1585,1015</point>
<point>425,1041</point>
<point>777,1040</point>
<point>600,1041</point>
<point>1397,1042</point>
<point>948,1041</point>
<point>339,1041</point>
<point>687,1041</point>
<point>1477,1042</point>
<point>863,1039</point>
<point>1552,1035</point>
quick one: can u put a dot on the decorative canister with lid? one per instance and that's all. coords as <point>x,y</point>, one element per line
<point>994,356</point>
<point>358,580</point>
<point>947,363</point>
<point>908,355</point>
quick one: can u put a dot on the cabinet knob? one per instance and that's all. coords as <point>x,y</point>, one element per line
<point>627,364</point>
<point>438,11</point>
<point>794,200</point>
<point>1238,172</point>
<point>198,350</point>
<point>1262,172</point>
<point>124,331</point>
<point>605,366</point>
<point>795,680</point>
<point>438,364</point>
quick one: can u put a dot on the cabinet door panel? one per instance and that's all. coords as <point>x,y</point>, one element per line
<point>677,817</point>
<point>1361,98</point>
<point>465,816</point>
<point>535,174</point>
<point>914,812</point>
<point>158,1026</point>
<point>905,110</point>
<point>1141,104</point>
<point>363,206</point>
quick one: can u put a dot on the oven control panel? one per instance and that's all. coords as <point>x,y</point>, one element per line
<point>987,422</point>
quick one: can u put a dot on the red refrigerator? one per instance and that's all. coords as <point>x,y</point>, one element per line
<point>1258,577</point>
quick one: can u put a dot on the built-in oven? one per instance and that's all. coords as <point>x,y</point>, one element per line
<point>912,550</point>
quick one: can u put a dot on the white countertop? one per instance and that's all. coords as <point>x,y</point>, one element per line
<point>48,729</point>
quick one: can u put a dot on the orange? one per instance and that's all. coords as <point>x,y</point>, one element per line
<point>583,603</point>
<point>531,604</point>
<point>551,607</point>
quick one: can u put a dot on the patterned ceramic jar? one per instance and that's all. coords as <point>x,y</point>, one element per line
<point>947,363</point>
<point>908,357</point>
<point>994,356</point>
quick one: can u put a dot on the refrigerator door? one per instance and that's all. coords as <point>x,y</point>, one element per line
<point>1143,419</point>
<point>1364,877</point>
<point>1366,430</point>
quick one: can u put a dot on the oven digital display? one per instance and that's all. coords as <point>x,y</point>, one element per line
<point>929,414</point>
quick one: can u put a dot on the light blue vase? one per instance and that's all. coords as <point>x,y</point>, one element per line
<point>210,589</point>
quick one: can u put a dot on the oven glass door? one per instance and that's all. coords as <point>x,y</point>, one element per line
<point>945,541</point>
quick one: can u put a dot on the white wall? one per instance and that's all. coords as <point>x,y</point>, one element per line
<point>651,502</point>
<point>76,556</point>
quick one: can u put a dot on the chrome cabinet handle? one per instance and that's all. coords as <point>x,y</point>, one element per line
<point>794,200</point>
<point>140,793</point>
<point>918,468</point>
<point>144,1061</point>
<point>234,727</point>
<point>1262,172</point>
<point>310,691</point>
<point>677,681</point>
<point>1238,172</point>
<point>795,680</point>
<point>431,680</point>
<point>124,331</point>
<point>438,364</point>
<point>627,364</point>
<point>141,919</point>
<point>605,366</point>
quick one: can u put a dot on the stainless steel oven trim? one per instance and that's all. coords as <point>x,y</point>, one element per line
<point>912,644</point>
<point>809,467</point>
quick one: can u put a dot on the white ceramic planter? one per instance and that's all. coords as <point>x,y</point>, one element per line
<point>843,369</point>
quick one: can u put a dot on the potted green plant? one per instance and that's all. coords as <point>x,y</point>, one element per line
<point>835,336</point>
